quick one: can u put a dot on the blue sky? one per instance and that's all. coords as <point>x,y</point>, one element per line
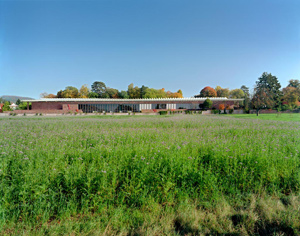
<point>48,45</point>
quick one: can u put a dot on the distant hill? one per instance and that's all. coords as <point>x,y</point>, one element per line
<point>13,99</point>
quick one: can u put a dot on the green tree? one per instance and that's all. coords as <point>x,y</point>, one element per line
<point>262,99</point>
<point>99,88</point>
<point>18,102</point>
<point>207,103</point>
<point>236,93</point>
<point>133,92</point>
<point>143,91</point>
<point>69,92</point>
<point>123,94</point>
<point>294,83</point>
<point>92,95</point>
<point>246,96</point>
<point>270,85</point>
<point>84,91</point>
<point>291,96</point>
<point>222,92</point>
<point>111,93</point>
<point>6,106</point>
<point>23,106</point>
<point>155,93</point>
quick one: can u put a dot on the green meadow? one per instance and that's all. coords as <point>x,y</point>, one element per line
<point>278,116</point>
<point>159,175</point>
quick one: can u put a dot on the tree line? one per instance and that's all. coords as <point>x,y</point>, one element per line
<point>267,94</point>
<point>100,90</point>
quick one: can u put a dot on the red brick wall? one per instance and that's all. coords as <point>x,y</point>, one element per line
<point>46,106</point>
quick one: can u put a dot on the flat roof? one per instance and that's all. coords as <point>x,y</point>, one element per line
<point>131,100</point>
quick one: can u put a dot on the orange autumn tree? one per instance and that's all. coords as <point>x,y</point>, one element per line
<point>221,107</point>
<point>208,92</point>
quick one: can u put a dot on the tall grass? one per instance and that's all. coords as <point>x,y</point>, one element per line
<point>129,172</point>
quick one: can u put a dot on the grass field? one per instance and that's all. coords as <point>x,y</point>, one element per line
<point>172,175</point>
<point>278,117</point>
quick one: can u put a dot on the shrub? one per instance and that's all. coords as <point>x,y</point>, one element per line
<point>285,107</point>
<point>215,111</point>
<point>38,114</point>
<point>207,103</point>
<point>230,111</point>
<point>41,114</point>
<point>24,114</point>
<point>163,112</point>
<point>221,107</point>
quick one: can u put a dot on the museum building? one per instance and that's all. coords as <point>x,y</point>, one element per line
<point>91,105</point>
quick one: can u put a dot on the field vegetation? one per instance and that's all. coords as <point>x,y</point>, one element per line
<point>162,175</point>
<point>277,116</point>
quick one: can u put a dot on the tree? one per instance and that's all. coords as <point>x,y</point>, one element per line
<point>174,95</point>
<point>92,95</point>
<point>143,91</point>
<point>246,96</point>
<point>155,93</point>
<point>291,96</point>
<point>221,107</point>
<point>123,94</point>
<point>84,91</point>
<point>294,83</point>
<point>18,102</point>
<point>207,92</point>
<point>69,92</point>
<point>111,93</point>
<point>222,92</point>
<point>207,103</point>
<point>236,93</point>
<point>133,92</point>
<point>269,84</point>
<point>262,98</point>
<point>99,88</point>
<point>46,95</point>
<point>180,92</point>
<point>6,106</point>
<point>23,106</point>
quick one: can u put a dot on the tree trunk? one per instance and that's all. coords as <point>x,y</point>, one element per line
<point>257,110</point>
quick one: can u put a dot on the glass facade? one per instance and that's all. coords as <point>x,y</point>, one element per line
<point>90,108</point>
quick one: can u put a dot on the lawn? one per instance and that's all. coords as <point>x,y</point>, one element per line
<point>158,175</point>
<point>277,117</point>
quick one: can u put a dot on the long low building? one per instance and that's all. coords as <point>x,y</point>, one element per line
<point>90,105</point>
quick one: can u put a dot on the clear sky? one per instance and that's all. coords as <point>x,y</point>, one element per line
<point>172,44</point>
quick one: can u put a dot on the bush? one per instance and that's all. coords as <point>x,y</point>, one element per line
<point>207,103</point>
<point>215,111</point>
<point>285,107</point>
<point>24,114</point>
<point>230,111</point>
<point>163,112</point>
<point>221,107</point>
<point>41,114</point>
